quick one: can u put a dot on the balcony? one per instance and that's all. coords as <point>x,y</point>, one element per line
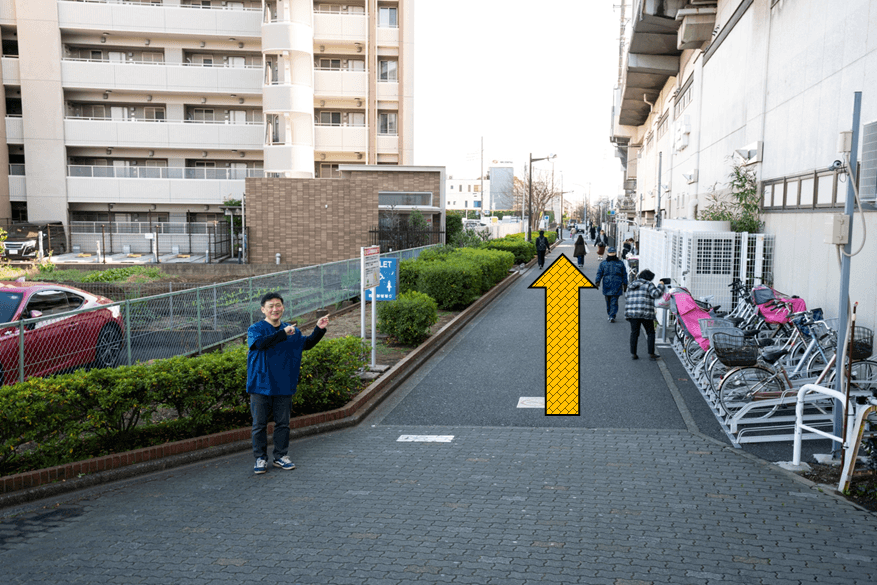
<point>388,37</point>
<point>11,74</point>
<point>155,77</point>
<point>388,91</point>
<point>388,144</point>
<point>337,83</point>
<point>288,98</point>
<point>159,19</point>
<point>14,130</point>
<point>154,134</point>
<point>178,185</point>
<point>7,12</point>
<point>343,28</point>
<point>341,138</point>
<point>17,183</point>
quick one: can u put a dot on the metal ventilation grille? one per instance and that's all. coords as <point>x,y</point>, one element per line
<point>868,180</point>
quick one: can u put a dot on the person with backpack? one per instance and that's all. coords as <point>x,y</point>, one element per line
<point>580,250</point>
<point>541,248</point>
<point>601,242</point>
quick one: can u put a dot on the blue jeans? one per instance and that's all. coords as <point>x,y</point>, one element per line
<point>611,305</point>
<point>277,406</point>
<point>581,260</point>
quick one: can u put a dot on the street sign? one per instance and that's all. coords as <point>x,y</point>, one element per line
<point>386,290</point>
<point>371,266</point>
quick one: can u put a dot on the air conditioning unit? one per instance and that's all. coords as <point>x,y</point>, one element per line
<point>868,178</point>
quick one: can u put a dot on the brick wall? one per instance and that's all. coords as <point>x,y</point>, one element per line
<point>290,216</point>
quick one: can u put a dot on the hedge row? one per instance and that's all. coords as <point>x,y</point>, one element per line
<point>50,421</point>
<point>454,277</point>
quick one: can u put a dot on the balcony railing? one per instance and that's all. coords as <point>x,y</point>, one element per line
<point>161,63</point>
<point>16,170</point>
<point>138,172</point>
<point>158,4</point>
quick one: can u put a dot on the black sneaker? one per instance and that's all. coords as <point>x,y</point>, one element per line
<point>654,356</point>
<point>612,319</point>
<point>633,356</point>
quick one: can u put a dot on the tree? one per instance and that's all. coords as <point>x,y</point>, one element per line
<point>543,195</point>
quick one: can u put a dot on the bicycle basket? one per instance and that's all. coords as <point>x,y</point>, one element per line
<point>710,326</point>
<point>863,343</point>
<point>733,349</point>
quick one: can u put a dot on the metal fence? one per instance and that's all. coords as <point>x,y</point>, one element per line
<point>402,239</point>
<point>176,323</point>
<point>211,239</point>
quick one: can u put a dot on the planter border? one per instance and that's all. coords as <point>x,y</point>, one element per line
<point>43,483</point>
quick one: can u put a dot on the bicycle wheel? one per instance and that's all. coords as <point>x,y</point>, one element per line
<point>863,377</point>
<point>743,385</point>
<point>715,372</point>
<point>693,352</point>
<point>817,363</point>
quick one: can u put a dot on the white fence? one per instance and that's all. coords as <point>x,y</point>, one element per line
<point>705,262</point>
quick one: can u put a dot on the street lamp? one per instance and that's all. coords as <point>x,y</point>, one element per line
<point>530,194</point>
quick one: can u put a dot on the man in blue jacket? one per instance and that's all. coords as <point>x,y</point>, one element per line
<point>614,277</point>
<point>273,365</point>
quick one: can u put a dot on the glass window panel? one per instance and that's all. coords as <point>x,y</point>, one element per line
<point>806,193</point>
<point>791,193</point>
<point>825,190</point>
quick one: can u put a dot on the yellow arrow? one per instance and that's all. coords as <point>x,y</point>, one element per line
<point>562,282</point>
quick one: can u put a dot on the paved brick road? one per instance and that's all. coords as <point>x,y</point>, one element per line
<point>514,498</point>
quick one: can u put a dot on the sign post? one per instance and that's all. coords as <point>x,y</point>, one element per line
<point>370,276</point>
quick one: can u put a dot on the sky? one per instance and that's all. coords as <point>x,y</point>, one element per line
<point>528,77</point>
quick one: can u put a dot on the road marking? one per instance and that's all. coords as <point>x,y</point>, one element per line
<point>531,402</point>
<point>562,282</point>
<point>425,439</point>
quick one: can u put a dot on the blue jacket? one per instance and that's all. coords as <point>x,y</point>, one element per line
<point>274,359</point>
<point>613,275</point>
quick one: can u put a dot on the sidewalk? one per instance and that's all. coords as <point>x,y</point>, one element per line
<point>448,481</point>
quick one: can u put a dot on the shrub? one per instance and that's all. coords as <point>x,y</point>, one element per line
<point>522,250</point>
<point>452,283</point>
<point>453,226</point>
<point>408,318</point>
<point>90,413</point>
<point>494,264</point>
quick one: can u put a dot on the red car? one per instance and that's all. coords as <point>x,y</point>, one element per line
<point>60,341</point>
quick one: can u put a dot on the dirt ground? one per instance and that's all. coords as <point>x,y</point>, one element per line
<point>863,487</point>
<point>386,352</point>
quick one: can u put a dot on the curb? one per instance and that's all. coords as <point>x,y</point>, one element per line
<point>43,483</point>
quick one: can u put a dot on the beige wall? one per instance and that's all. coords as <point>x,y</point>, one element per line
<point>314,221</point>
<point>42,100</point>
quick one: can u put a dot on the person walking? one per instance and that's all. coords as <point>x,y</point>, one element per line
<point>593,233</point>
<point>580,250</point>
<point>639,310</point>
<point>601,242</point>
<point>627,249</point>
<point>273,365</point>
<point>541,248</point>
<point>614,277</point>
<point>559,233</point>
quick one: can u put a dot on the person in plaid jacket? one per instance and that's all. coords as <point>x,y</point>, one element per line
<point>639,310</point>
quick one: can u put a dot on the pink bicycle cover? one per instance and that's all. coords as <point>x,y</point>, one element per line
<point>691,315</point>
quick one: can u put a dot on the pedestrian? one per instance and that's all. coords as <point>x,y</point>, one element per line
<point>273,365</point>
<point>559,233</point>
<point>639,310</point>
<point>593,233</point>
<point>541,247</point>
<point>601,242</point>
<point>614,277</point>
<point>627,248</point>
<point>580,250</point>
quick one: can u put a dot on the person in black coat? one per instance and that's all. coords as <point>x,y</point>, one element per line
<point>541,248</point>
<point>580,250</point>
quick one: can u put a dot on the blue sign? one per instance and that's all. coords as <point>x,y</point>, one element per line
<point>386,289</point>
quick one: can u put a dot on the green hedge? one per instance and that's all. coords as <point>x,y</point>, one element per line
<point>408,318</point>
<point>454,277</point>
<point>50,421</point>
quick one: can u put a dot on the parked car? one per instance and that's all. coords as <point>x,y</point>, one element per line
<point>60,341</point>
<point>23,240</point>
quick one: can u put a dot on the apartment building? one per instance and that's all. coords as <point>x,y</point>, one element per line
<point>158,110</point>
<point>768,85</point>
<point>493,193</point>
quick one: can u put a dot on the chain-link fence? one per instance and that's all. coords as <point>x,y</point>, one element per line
<point>53,335</point>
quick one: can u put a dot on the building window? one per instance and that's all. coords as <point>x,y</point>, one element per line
<point>393,199</point>
<point>152,57</point>
<point>329,171</point>
<point>330,118</point>
<point>356,119</point>
<point>387,124</point>
<point>388,70</point>
<point>331,64</point>
<point>387,17</point>
<point>662,125</point>
<point>203,115</point>
<point>155,114</point>
<point>683,99</point>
